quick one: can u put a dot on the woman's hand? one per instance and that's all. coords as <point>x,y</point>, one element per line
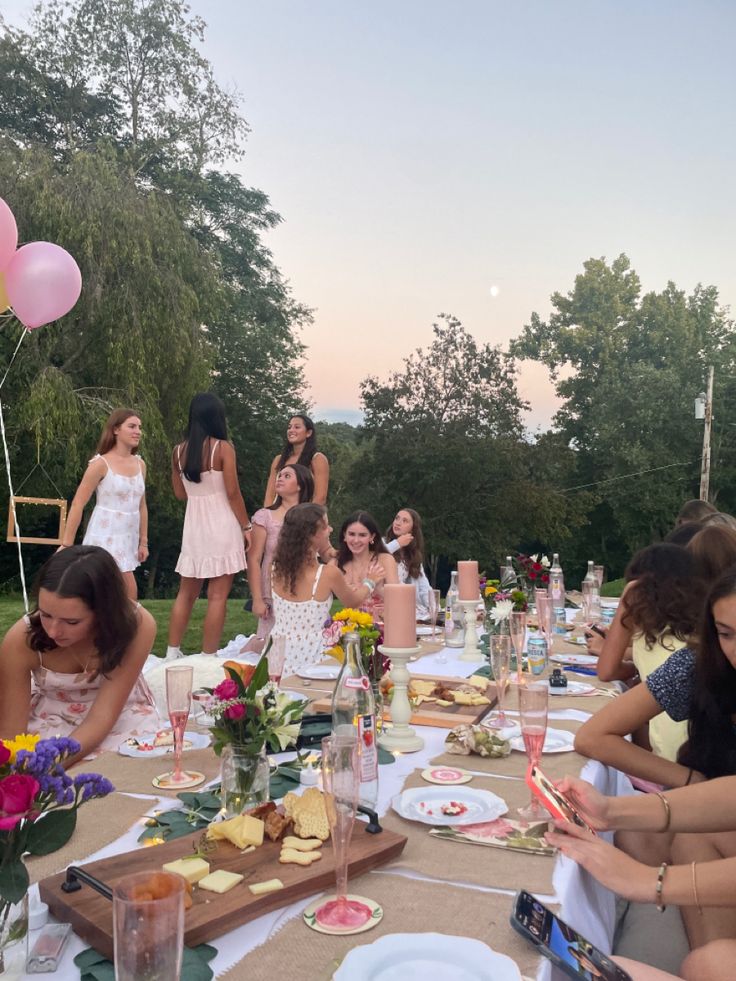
<point>246,538</point>
<point>142,553</point>
<point>594,641</point>
<point>405,539</point>
<point>609,865</point>
<point>261,608</point>
<point>592,805</point>
<point>376,572</point>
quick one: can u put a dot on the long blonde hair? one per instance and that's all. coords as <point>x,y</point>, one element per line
<point>108,437</point>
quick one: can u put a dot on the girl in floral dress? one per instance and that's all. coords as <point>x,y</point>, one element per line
<point>119,522</point>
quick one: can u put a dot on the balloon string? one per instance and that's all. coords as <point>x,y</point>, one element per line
<point>17,348</point>
<point>12,502</point>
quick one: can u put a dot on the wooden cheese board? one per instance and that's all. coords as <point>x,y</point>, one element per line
<point>212,914</point>
<point>429,713</point>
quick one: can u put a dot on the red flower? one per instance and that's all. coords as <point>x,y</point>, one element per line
<point>17,793</point>
<point>545,577</point>
<point>226,690</point>
<point>4,754</point>
<point>234,712</point>
<point>537,566</point>
<point>532,575</point>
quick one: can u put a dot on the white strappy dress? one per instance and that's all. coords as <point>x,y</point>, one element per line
<point>116,519</point>
<point>301,623</point>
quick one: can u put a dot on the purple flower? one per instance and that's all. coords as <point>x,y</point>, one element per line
<point>89,785</point>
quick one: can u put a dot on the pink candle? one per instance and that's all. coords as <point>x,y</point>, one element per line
<point>467,580</point>
<point>399,615</point>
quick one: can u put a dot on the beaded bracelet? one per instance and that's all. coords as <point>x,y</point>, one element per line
<point>661,907</point>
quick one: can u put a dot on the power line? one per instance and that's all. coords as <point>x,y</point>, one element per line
<point>624,476</point>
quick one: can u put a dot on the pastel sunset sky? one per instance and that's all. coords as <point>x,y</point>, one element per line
<point>423,152</point>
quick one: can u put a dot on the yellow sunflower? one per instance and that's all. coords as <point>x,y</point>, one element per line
<point>26,740</point>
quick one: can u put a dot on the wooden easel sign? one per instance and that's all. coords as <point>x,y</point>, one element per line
<point>52,502</point>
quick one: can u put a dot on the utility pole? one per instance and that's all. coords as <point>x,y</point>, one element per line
<point>705,465</point>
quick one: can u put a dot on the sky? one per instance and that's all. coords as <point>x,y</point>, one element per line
<point>468,156</point>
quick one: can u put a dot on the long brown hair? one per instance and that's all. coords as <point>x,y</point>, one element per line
<point>713,550</point>
<point>412,555</point>
<point>305,482</point>
<point>108,437</point>
<point>294,546</point>
<point>91,574</point>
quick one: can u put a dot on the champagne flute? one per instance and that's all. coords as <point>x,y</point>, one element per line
<point>599,571</point>
<point>341,785</point>
<point>276,657</point>
<point>435,602</point>
<point>518,636</point>
<point>179,679</point>
<point>533,701</point>
<point>500,663</point>
<point>544,619</point>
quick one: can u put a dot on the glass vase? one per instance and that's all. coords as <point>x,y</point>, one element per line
<point>13,939</point>
<point>244,778</point>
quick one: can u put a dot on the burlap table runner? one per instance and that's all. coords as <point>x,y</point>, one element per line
<point>297,953</point>
<point>99,822</point>
<point>135,775</point>
<point>473,864</point>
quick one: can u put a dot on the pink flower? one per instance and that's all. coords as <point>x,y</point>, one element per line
<point>235,712</point>
<point>4,754</point>
<point>491,829</point>
<point>17,793</point>
<point>226,690</point>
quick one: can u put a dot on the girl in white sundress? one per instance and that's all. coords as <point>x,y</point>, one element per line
<point>119,522</point>
<point>302,589</point>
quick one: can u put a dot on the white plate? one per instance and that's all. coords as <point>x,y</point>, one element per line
<point>320,672</point>
<point>196,740</point>
<point>423,804</point>
<point>418,956</point>
<point>573,688</point>
<point>588,659</point>
<point>556,741</point>
<point>427,632</point>
<point>296,696</point>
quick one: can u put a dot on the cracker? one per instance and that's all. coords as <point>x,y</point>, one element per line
<point>290,856</point>
<point>302,844</point>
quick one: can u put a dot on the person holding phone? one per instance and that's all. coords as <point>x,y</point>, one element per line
<point>700,879</point>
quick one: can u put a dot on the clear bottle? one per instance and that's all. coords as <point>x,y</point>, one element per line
<point>454,615</point>
<point>557,593</point>
<point>591,594</point>
<point>508,576</point>
<point>353,707</point>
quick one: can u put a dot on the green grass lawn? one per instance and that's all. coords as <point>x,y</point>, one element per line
<point>236,622</point>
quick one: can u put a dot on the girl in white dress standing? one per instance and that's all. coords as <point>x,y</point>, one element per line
<point>119,522</point>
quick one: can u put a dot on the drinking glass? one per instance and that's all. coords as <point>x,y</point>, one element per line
<point>533,700</point>
<point>435,607</point>
<point>517,623</point>
<point>591,602</point>
<point>599,571</point>
<point>178,702</point>
<point>500,650</point>
<point>341,785</point>
<point>276,657</point>
<point>545,618</point>
<point>148,926</point>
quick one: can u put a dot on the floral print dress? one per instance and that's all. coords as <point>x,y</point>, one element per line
<point>116,519</point>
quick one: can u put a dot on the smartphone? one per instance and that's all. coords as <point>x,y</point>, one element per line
<point>573,954</point>
<point>558,805</point>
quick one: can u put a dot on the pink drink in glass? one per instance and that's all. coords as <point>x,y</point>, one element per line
<point>276,657</point>
<point>533,742</point>
<point>178,702</point>
<point>341,783</point>
<point>518,636</point>
<point>533,700</point>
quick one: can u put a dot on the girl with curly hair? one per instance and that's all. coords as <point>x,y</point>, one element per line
<point>302,590</point>
<point>405,541</point>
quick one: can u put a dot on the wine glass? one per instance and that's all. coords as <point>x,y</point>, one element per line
<point>435,604</point>
<point>341,785</point>
<point>276,657</point>
<point>533,700</point>
<point>178,702</point>
<point>500,663</point>
<point>599,571</point>
<point>517,622</point>
<point>544,618</point>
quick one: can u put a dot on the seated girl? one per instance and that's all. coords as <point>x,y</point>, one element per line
<point>405,541</point>
<point>658,613</point>
<point>302,589</point>
<point>73,667</point>
<point>700,880</point>
<point>361,548</point>
<point>697,685</point>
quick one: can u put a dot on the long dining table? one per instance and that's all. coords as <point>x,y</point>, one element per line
<point>466,891</point>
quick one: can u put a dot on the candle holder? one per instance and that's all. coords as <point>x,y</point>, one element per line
<point>471,651</point>
<point>401,736</point>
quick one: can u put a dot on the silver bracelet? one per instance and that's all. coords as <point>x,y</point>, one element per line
<point>369,583</point>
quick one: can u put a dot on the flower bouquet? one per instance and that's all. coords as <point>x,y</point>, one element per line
<point>500,602</point>
<point>355,621</point>
<point>531,570</point>
<point>251,715</point>
<point>38,814</point>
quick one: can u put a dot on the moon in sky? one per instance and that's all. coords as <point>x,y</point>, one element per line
<point>494,291</point>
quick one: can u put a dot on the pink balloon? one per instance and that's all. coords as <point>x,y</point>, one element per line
<point>43,282</point>
<point>8,235</point>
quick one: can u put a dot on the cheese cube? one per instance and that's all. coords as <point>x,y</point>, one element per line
<point>477,682</point>
<point>192,869</point>
<point>260,888</point>
<point>220,881</point>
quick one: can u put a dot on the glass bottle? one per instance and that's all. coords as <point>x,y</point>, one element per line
<point>591,594</point>
<point>508,576</point>
<point>557,593</point>
<point>454,615</point>
<point>353,707</point>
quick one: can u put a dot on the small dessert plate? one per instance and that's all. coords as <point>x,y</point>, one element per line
<point>573,688</point>
<point>440,806</point>
<point>449,776</point>
<point>555,741</point>
<point>310,916</point>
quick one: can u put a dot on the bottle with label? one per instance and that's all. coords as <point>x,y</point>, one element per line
<point>557,593</point>
<point>591,594</point>
<point>454,615</point>
<point>353,706</point>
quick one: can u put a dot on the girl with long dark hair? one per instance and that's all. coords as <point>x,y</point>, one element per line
<point>300,447</point>
<point>303,589</point>
<point>361,549</point>
<point>294,485</point>
<point>217,528</point>
<point>73,666</point>
<point>117,475</point>
<point>405,541</point>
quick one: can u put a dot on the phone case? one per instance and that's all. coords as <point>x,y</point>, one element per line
<point>555,801</point>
